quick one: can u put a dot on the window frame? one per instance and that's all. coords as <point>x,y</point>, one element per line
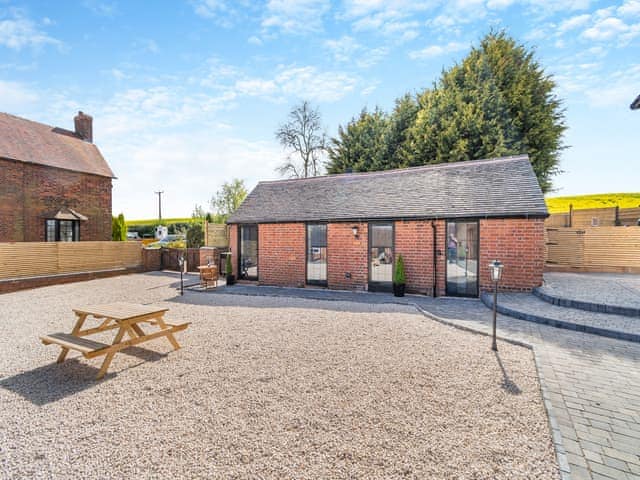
<point>376,286</point>
<point>320,283</point>
<point>257,227</point>
<point>75,230</point>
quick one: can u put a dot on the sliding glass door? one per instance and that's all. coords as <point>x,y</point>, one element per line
<point>317,254</point>
<point>248,258</point>
<point>380,256</point>
<point>462,258</point>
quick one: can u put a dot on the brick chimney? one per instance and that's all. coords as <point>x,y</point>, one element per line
<point>84,126</point>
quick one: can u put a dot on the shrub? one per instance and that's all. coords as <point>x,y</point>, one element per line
<point>229,266</point>
<point>398,275</point>
<point>118,228</point>
<point>195,235</point>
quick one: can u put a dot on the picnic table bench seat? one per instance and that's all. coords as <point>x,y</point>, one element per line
<point>122,316</point>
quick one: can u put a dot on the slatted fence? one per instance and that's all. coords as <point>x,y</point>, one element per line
<point>594,249</point>
<point>595,217</point>
<point>36,259</point>
<point>216,235</point>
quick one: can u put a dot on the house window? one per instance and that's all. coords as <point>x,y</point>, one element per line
<point>317,254</point>
<point>62,230</point>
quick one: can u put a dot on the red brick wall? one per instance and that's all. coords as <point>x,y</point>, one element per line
<point>31,193</point>
<point>347,255</point>
<point>414,240</point>
<point>281,254</point>
<point>519,245</point>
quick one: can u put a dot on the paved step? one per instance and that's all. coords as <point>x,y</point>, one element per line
<point>599,292</point>
<point>525,306</point>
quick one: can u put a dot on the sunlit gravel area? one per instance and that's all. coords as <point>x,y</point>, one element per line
<point>265,388</point>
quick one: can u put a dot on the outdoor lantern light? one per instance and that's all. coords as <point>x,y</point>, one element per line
<point>354,229</point>
<point>495,268</point>
<point>181,266</point>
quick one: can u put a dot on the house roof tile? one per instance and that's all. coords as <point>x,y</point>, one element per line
<point>32,142</point>
<point>500,187</point>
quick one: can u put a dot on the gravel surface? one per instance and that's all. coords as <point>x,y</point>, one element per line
<point>265,388</point>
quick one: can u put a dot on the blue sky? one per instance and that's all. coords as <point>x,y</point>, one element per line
<point>188,94</point>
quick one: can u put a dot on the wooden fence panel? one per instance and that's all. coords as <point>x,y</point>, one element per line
<point>216,235</point>
<point>597,249</point>
<point>629,216</point>
<point>30,259</point>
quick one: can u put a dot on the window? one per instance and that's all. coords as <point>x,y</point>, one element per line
<point>62,230</point>
<point>317,254</point>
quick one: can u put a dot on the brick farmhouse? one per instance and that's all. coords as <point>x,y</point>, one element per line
<point>54,183</point>
<point>448,221</point>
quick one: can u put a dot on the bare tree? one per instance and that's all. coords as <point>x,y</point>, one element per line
<point>306,140</point>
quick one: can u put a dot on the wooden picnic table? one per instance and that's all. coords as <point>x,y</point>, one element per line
<point>126,318</point>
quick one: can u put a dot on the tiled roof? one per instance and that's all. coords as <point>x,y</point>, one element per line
<point>500,187</point>
<point>34,142</point>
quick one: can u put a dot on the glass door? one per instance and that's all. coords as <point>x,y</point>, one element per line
<point>317,254</point>
<point>380,256</point>
<point>462,258</point>
<point>248,258</point>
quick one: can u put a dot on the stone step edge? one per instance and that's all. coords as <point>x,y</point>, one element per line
<point>587,306</point>
<point>487,299</point>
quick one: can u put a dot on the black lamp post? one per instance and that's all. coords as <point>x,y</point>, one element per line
<point>181,266</point>
<point>495,268</point>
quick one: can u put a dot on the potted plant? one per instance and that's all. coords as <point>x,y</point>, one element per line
<point>231,278</point>
<point>399,279</point>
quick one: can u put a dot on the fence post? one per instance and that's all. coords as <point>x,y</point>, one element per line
<point>570,215</point>
<point>617,221</point>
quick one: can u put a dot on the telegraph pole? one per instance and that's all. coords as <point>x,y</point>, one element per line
<point>159,206</point>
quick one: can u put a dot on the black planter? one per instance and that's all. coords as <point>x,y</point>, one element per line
<point>398,289</point>
<point>231,279</point>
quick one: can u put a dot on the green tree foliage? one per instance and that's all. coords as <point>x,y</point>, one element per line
<point>228,199</point>
<point>361,145</point>
<point>228,266</point>
<point>198,213</point>
<point>497,101</point>
<point>195,235</point>
<point>118,228</point>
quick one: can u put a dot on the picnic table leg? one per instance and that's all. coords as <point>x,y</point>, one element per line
<point>170,337</point>
<point>78,326</point>
<point>109,356</point>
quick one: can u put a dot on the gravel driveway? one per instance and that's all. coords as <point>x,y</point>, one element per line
<point>265,388</point>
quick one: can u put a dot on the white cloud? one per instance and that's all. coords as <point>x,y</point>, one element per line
<point>499,4</point>
<point>310,83</point>
<point>104,9</point>
<point>347,50</point>
<point>256,87</point>
<point>16,97</point>
<point>630,8</point>
<point>392,18</point>
<point>437,50</point>
<point>17,32</point>
<point>295,16</point>
<point>574,22</point>
<point>611,28</point>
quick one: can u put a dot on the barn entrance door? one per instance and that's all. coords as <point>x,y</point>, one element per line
<point>462,258</point>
